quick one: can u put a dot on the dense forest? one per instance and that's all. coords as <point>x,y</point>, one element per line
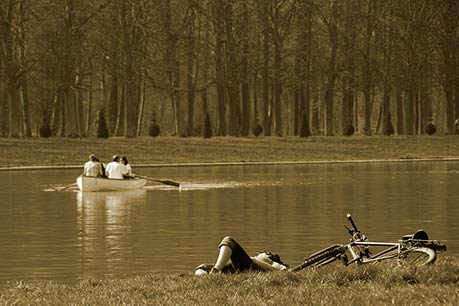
<point>242,67</point>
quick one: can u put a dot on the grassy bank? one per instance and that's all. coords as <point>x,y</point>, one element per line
<point>163,150</point>
<point>380,284</point>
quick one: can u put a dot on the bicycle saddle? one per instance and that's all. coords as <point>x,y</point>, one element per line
<point>419,235</point>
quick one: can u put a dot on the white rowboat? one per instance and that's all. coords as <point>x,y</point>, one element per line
<point>89,183</point>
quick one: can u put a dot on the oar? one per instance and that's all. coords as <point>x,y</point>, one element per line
<point>67,187</point>
<point>165,182</point>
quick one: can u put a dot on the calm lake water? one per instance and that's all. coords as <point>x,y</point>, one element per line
<point>293,210</point>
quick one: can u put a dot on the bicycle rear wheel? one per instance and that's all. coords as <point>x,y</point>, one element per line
<point>321,258</point>
<point>416,256</point>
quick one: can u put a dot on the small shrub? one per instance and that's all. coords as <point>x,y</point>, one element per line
<point>349,130</point>
<point>431,128</point>
<point>45,128</point>
<point>257,129</point>
<point>207,128</point>
<point>102,130</point>
<point>305,131</point>
<point>154,130</point>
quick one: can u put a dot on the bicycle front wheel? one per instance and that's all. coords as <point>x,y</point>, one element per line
<point>416,256</point>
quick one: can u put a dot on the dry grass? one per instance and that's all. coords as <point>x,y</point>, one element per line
<point>164,150</point>
<point>379,284</point>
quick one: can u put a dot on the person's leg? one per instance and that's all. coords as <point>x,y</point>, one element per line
<point>230,249</point>
<point>224,255</point>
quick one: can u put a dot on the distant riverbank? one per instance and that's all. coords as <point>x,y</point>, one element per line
<point>146,151</point>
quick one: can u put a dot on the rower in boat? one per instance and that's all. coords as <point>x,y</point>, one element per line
<point>92,167</point>
<point>116,170</point>
<point>126,164</point>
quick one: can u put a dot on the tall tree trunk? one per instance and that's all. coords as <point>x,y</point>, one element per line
<point>23,17</point>
<point>349,41</point>
<point>303,62</point>
<point>386,107</point>
<point>256,72</point>
<point>25,105</point>
<point>367,69</point>
<point>331,77</point>
<point>113,103</point>
<point>3,90</point>
<point>400,117</point>
<point>277,89</point>
<point>90,101</point>
<point>4,109</point>
<point>425,109</point>
<point>190,77</point>
<point>232,73</point>
<point>68,81</point>
<point>132,53</point>
<point>380,115</point>
<point>410,104</point>
<point>245,114</point>
<point>121,116</point>
<point>387,41</point>
<point>14,107</point>
<point>12,68</point>
<point>142,92</point>
<point>265,70</point>
<point>79,94</point>
<point>132,100</point>
<point>55,114</point>
<point>206,54</point>
<point>63,114</point>
<point>220,71</point>
<point>315,114</point>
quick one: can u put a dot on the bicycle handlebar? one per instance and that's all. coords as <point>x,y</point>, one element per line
<point>354,227</point>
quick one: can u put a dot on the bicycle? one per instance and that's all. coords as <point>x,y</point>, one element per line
<point>414,249</point>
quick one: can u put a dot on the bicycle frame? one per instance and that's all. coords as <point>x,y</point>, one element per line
<point>411,249</point>
<point>392,246</point>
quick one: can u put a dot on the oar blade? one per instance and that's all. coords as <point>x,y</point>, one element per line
<point>171,183</point>
<point>67,187</point>
<point>165,182</point>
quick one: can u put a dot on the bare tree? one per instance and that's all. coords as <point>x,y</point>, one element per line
<point>447,14</point>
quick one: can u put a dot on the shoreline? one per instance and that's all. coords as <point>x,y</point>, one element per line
<point>248,163</point>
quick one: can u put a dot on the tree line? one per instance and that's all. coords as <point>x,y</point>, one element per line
<point>276,67</point>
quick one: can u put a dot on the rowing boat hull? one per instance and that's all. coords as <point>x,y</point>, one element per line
<point>88,183</point>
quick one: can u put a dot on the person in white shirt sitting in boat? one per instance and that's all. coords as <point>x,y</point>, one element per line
<point>92,167</point>
<point>125,162</point>
<point>115,170</point>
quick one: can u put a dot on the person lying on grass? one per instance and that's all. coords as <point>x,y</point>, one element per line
<point>232,258</point>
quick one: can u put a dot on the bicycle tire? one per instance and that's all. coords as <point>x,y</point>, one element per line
<point>417,256</point>
<point>325,256</point>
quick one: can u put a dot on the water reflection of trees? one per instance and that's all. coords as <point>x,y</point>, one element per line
<point>104,227</point>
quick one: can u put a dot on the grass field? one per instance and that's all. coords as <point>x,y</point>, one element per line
<point>165,150</point>
<point>379,284</point>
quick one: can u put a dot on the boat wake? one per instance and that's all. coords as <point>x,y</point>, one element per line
<point>189,186</point>
<point>60,188</point>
